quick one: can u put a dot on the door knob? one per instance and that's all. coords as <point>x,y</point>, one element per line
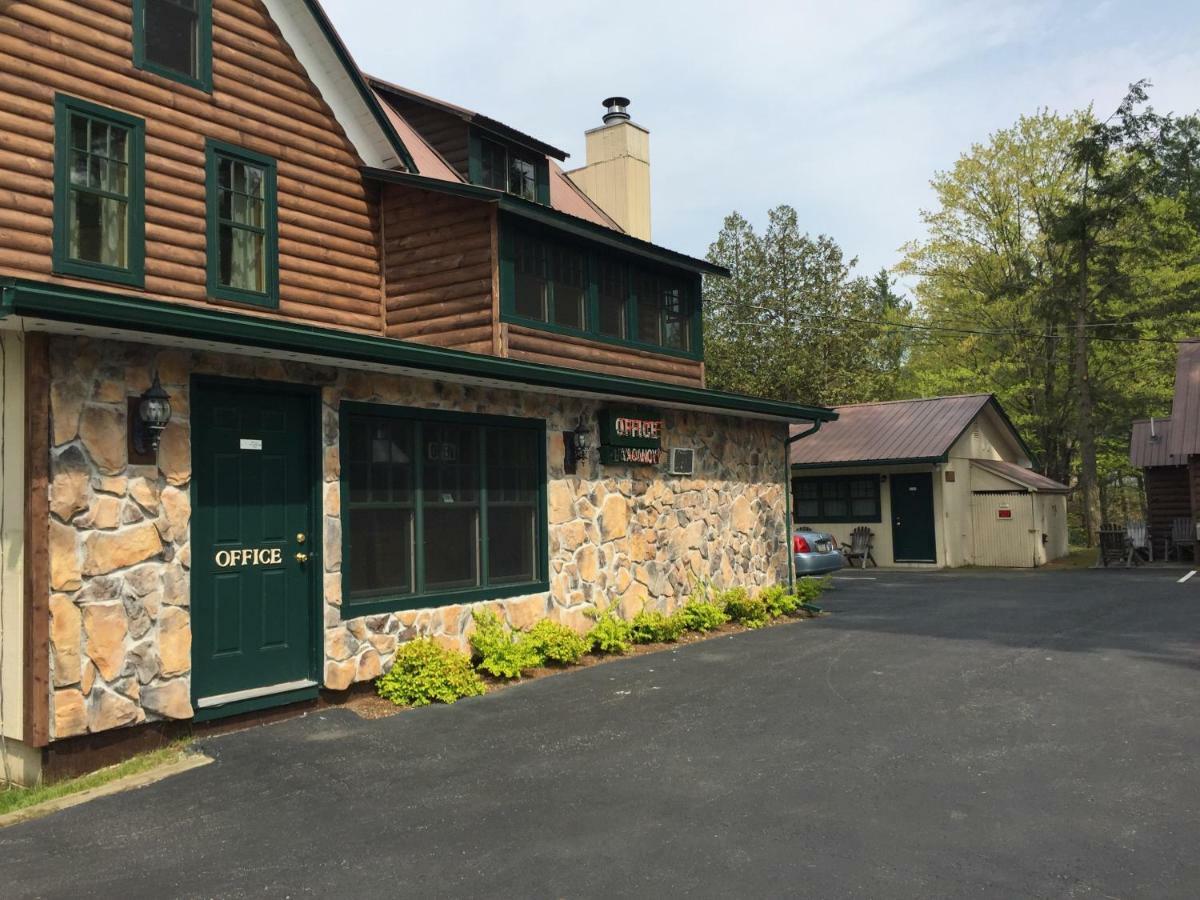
<point>301,557</point>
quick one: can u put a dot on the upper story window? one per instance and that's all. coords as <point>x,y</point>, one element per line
<point>99,194</point>
<point>561,286</point>
<point>173,38</point>
<point>508,169</point>
<point>243,240</point>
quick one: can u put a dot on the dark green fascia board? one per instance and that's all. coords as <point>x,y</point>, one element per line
<point>33,299</point>
<point>360,82</point>
<point>551,218</point>
<point>851,463</point>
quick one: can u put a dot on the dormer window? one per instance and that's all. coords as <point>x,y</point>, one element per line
<point>173,38</point>
<point>509,169</point>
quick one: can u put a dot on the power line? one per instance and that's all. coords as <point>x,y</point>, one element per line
<point>912,326</point>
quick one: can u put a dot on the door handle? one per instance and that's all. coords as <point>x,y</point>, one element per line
<point>301,557</point>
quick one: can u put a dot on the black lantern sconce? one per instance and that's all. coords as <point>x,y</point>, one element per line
<point>576,446</point>
<point>149,415</point>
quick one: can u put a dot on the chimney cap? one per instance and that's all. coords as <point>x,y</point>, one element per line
<point>615,110</point>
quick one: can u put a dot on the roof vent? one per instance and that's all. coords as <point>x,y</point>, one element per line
<point>615,110</point>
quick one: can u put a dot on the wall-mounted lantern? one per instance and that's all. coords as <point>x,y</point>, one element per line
<point>576,446</point>
<point>153,414</point>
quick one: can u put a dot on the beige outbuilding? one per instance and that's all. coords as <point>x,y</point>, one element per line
<point>939,482</point>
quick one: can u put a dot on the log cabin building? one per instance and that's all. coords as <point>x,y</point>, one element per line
<point>1167,450</point>
<point>299,364</point>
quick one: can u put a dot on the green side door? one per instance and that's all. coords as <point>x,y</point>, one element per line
<point>254,567</point>
<point>913,536</point>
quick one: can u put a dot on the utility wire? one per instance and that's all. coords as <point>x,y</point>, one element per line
<point>912,326</point>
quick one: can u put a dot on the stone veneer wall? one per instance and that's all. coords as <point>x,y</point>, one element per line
<point>120,552</point>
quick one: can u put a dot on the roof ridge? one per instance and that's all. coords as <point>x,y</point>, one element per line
<point>915,400</point>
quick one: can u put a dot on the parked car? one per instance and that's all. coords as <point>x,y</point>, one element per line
<point>816,552</point>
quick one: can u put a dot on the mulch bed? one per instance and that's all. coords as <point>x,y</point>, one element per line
<point>365,703</point>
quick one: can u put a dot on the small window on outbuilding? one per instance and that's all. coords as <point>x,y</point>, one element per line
<point>173,38</point>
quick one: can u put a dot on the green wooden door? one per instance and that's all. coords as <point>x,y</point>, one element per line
<point>913,537</point>
<point>252,589</point>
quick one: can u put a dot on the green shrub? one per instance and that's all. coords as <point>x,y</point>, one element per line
<point>702,615</point>
<point>809,589</point>
<point>778,601</point>
<point>499,651</point>
<point>424,673</point>
<point>652,627</point>
<point>742,608</point>
<point>610,634</point>
<point>557,643</point>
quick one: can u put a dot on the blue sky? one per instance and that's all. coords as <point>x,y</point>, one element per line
<point>843,110</point>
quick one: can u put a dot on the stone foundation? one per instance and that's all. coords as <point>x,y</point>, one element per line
<point>119,533</point>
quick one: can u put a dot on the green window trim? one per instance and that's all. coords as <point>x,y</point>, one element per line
<point>132,274</point>
<point>635,273</point>
<point>202,80</point>
<point>419,598</point>
<point>215,152</point>
<point>481,144</point>
<point>829,490</point>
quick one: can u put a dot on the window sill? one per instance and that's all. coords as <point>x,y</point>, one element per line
<point>99,272</point>
<point>376,605</point>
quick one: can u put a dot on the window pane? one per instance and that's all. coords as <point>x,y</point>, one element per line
<point>806,509</point>
<point>513,460</point>
<point>451,547</point>
<point>676,321</point>
<point>530,279</point>
<point>493,165</point>
<point>522,178</point>
<point>648,312</point>
<point>98,229</point>
<point>451,464</point>
<point>614,297</point>
<point>172,35</point>
<point>511,532</point>
<point>570,288</point>
<point>243,263</point>
<point>381,551</point>
<point>862,508</point>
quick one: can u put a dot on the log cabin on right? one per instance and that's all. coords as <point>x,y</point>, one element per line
<point>1167,450</point>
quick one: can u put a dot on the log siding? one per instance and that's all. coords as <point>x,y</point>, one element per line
<point>329,268</point>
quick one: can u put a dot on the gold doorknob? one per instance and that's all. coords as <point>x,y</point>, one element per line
<point>302,557</point>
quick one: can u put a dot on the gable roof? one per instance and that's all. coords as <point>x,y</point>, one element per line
<point>320,50</point>
<point>1184,437</point>
<point>1148,445</point>
<point>897,431</point>
<point>1026,478</point>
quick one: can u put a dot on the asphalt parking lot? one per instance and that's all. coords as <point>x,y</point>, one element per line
<point>985,734</point>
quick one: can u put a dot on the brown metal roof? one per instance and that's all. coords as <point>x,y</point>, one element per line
<point>897,431</point>
<point>1022,476</point>
<point>1146,449</point>
<point>1184,438</point>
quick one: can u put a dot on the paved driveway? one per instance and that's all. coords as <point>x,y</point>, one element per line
<point>976,734</point>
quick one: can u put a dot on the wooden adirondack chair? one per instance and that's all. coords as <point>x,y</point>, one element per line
<point>860,547</point>
<point>1139,536</point>
<point>1183,534</point>
<point>1116,548</point>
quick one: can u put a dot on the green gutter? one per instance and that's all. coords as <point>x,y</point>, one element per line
<point>43,301</point>
<point>552,218</point>
<point>787,497</point>
<point>851,463</point>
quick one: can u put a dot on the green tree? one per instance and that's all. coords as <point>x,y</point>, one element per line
<point>791,322</point>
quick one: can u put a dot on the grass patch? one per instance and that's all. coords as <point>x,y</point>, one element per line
<point>13,798</point>
<point>1078,558</point>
